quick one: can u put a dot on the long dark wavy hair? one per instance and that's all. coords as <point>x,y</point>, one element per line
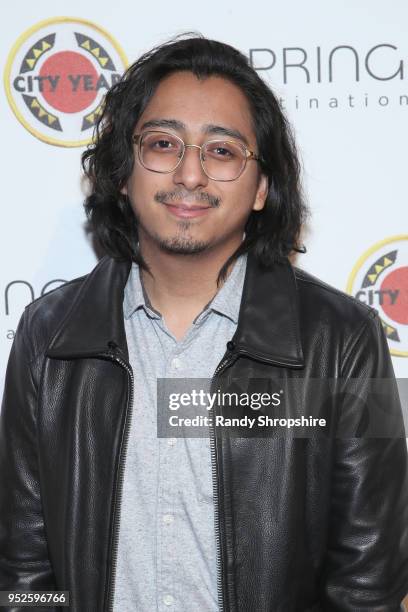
<point>273,232</point>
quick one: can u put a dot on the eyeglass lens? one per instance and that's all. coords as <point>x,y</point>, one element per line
<point>222,160</point>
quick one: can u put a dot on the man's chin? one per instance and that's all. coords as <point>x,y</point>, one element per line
<point>179,242</point>
<point>180,246</point>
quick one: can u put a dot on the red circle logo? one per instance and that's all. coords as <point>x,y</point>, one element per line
<point>76,77</point>
<point>396,284</point>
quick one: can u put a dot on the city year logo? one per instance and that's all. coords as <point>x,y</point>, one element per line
<point>56,76</point>
<point>380,279</point>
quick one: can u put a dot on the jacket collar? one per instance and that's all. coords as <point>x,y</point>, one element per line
<point>268,325</point>
<point>269,322</point>
<point>95,319</point>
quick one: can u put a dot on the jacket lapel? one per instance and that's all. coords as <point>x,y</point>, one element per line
<point>268,325</point>
<point>96,316</point>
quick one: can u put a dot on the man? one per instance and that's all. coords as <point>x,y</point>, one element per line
<point>195,197</point>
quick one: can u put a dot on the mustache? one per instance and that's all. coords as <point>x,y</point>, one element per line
<point>183,196</point>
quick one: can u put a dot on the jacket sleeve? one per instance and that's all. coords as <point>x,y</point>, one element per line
<point>367,557</point>
<point>24,562</point>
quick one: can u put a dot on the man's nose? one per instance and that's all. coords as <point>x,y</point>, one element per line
<point>190,173</point>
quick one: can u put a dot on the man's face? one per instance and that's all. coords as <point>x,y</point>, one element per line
<point>184,211</point>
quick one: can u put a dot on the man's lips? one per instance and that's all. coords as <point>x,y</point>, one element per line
<point>185,210</point>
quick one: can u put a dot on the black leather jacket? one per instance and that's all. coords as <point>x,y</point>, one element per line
<point>302,524</point>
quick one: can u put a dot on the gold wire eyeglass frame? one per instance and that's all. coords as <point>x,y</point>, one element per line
<point>248,155</point>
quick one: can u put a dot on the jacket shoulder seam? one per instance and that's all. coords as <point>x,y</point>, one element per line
<point>333,291</point>
<point>354,339</point>
<point>294,313</point>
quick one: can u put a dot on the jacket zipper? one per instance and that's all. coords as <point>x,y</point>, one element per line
<point>121,468</point>
<point>120,475</point>
<point>233,353</point>
<point>215,480</point>
<point>119,487</point>
<point>214,468</point>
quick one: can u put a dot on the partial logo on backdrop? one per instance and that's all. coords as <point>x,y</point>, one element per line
<point>336,77</point>
<point>19,293</point>
<point>380,279</point>
<point>56,77</point>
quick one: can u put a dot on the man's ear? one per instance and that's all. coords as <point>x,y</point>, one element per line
<point>261,193</point>
<point>124,190</point>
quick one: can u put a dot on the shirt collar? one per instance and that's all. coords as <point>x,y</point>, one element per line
<point>228,299</point>
<point>135,296</point>
<point>226,302</point>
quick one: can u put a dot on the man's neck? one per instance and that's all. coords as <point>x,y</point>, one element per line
<point>180,286</point>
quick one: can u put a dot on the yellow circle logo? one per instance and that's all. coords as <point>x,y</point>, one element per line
<point>380,279</point>
<point>56,77</point>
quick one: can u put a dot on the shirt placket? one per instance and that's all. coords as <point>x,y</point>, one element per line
<point>167,514</point>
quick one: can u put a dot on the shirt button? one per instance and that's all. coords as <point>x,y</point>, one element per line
<point>168,600</point>
<point>176,363</point>
<point>168,518</point>
<point>171,441</point>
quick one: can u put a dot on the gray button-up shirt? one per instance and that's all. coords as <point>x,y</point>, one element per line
<point>167,548</point>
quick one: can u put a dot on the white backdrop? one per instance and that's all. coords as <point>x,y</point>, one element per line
<point>348,106</point>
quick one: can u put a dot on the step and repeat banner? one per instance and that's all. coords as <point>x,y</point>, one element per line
<point>340,70</point>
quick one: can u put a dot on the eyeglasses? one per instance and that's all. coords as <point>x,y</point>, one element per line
<point>221,160</point>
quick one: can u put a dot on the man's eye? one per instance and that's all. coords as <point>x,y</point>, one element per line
<point>222,151</point>
<point>219,150</point>
<point>163,144</point>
